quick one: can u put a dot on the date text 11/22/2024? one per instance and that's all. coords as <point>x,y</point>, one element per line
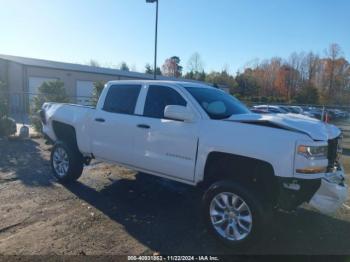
<point>173,258</point>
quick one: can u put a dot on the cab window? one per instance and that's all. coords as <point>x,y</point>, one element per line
<point>122,99</point>
<point>158,97</point>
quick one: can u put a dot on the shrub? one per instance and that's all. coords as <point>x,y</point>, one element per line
<point>52,91</point>
<point>7,126</point>
<point>98,87</point>
<point>3,100</point>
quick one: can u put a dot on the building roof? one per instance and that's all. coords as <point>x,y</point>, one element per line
<point>81,68</point>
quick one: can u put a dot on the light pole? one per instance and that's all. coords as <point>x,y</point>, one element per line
<point>156,39</point>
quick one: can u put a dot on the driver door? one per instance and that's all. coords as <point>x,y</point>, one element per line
<point>164,146</point>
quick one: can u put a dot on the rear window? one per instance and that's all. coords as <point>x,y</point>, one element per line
<point>122,99</point>
<point>217,104</point>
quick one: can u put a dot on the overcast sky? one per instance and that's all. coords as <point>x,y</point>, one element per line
<point>225,32</point>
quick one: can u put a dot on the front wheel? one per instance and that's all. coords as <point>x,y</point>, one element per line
<point>232,213</point>
<point>66,162</point>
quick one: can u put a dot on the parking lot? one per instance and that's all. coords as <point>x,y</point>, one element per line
<point>112,210</point>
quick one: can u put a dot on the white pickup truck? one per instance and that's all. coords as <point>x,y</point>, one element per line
<point>248,164</point>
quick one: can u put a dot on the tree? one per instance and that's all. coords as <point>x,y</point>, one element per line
<point>52,91</point>
<point>247,84</point>
<point>96,92</point>
<point>333,53</point>
<point>311,65</point>
<point>195,64</point>
<point>195,68</point>
<point>149,70</point>
<point>295,75</point>
<point>172,67</point>
<point>199,76</point>
<point>4,105</point>
<point>93,63</point>
<point>286,81</point>
<point>223,79</point>
<point>7,125</point>
<point>124,67</point>
<point>306,77</point>
<point>308,95</point>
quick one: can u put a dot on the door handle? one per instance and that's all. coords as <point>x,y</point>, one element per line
<point>100,120</point>
<point>143,126</point>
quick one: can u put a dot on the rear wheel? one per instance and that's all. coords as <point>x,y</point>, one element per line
<point>233,214</point>
<point>66,162</point>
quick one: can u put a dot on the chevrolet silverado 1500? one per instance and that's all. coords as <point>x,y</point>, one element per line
<point>248,164</point>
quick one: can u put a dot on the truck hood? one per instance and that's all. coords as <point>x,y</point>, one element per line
<point>314,128</point>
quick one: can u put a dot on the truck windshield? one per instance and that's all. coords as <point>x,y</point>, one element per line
<point>216,103</point>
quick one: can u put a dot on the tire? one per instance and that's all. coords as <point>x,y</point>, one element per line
<point>252,210</point>
<point>66,162</point>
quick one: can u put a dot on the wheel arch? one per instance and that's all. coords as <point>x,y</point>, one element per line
<point>253,173</point>
<point>65,133</point>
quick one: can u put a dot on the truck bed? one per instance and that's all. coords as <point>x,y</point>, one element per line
<point>77,116</point>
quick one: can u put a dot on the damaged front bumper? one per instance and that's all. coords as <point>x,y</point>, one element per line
<point>331,195</point>
<point>326,194</point>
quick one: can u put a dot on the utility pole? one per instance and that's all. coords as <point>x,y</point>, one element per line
<point>156,39</point>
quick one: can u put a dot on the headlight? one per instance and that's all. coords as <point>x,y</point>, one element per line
<point>313,152</point>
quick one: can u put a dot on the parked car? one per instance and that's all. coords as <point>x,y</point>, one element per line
<point>288,109</point>
<point>333,114</point>
<point>258,111</point>
<point>296,109</point>
<point>337,114</point>
<point>247,164</point>
<point>315,112</point>
<point>269,109</point>
<point>329,113</point>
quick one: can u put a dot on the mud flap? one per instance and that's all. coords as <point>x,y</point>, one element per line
<point>331,195</point>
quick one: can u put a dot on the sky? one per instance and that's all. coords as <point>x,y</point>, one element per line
<point>226,33</point>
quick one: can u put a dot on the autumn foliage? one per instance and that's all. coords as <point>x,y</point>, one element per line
<point>302,78</point>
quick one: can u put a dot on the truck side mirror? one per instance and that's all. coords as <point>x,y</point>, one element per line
<point>181,113</point>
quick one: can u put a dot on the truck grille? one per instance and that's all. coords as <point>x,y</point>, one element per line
<point>333,152</point>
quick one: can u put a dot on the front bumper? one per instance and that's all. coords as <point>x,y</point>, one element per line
<point>331,195</point>
<point>326,194</point>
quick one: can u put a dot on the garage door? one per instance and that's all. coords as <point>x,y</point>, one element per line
<point>35,83</point>
<point>84,92</point>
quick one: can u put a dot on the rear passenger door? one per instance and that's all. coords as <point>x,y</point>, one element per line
<point>164,146</point>
<point>114,125</point>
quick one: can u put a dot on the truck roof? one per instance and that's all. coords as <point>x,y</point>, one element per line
<point>181,83</point>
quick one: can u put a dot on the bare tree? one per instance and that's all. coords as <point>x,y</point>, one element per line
<point>311,67</point>
<point>295,62</point>
<point>195,63</point>
<point>333,53</point>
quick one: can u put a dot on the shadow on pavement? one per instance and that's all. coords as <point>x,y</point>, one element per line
<point>22,160</point>
<point>165,216</point>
